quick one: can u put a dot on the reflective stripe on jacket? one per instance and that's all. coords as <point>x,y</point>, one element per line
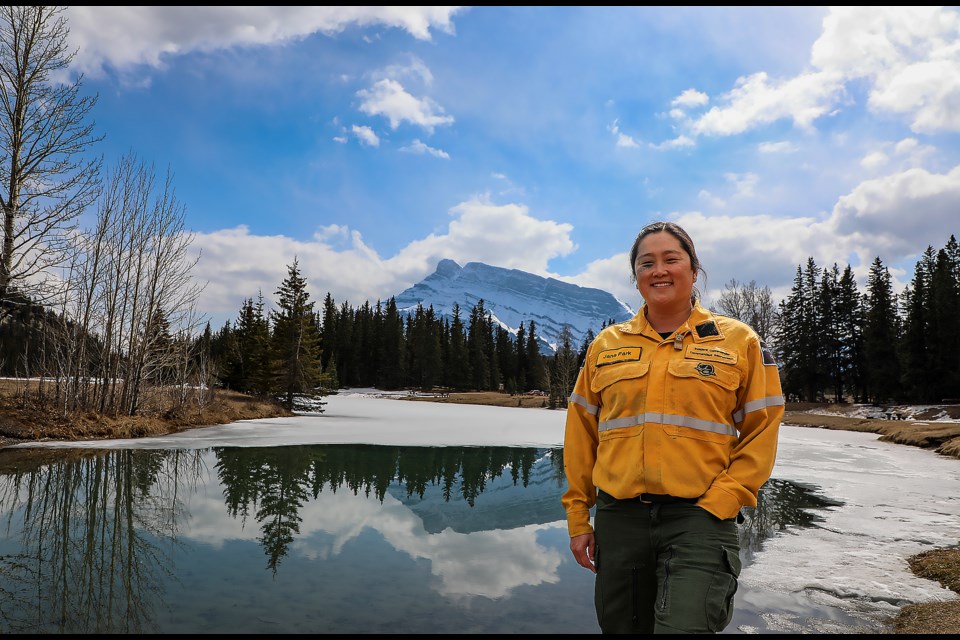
<point>694,415</point>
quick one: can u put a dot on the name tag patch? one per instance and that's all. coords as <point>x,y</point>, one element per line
<point>713,354</point>
<point>623,354</point>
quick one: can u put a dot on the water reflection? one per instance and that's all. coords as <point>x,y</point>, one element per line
<point>160,541</point>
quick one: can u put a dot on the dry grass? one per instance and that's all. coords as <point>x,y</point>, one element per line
<point>942,565</point>
<point>489,398</point>
<point>23,417</point>
<point>24,420</point>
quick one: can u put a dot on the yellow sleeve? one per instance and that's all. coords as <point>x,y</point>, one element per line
<point>580,453</point>
<point>760,407</point>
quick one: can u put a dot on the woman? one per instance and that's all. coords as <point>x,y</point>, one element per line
<point>671,429</point>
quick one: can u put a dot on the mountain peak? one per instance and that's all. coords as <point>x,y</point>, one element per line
<point>512,297</point>
<point>447,268</point>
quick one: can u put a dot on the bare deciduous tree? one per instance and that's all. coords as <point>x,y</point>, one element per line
<point>565,368</point>
<point>46,180</point>
<point>131,297</point>
<point>748,303</point>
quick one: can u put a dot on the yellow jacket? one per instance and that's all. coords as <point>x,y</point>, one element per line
<point>695,415</point>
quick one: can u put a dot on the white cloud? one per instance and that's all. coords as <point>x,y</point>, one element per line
<point>874,160</point>
<point>909,153</point>
<point>236,265</point>
<point>756,100</point>
<point>691,98</point>
<point>776,147</point>
<point>610,274</point>
<point>744,183</point>
<point>677,143</point>
<point>144,35</point>
<point>366,135</point>
<point>623,140</point>
<point>891,216</point>
<point>389,99</point>
<point>910,56</point>
<point>629,142</point>
<point>743,187</point>
<point>503,235</point>
<point>914,150</point>
<point>419,147</point>
<point>713,201</point>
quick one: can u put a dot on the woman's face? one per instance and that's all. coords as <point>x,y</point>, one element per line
<point>665,276</point>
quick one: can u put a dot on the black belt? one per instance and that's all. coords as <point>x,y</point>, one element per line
<point>651,498</point>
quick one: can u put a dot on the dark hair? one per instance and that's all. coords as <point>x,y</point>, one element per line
<point>682,237</point>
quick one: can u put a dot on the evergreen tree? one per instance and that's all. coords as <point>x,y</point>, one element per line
<point>850,312</point>
<point>944,314</point>
<point>506,360</point>
<point>917,376</point>
<point>247,360</point>
<point>431,359</point>
<point>458,368</point>
<point>477,331</point>
<point>536,369</point>
<point>564,368</point>
<point>392,373</point>
<point>795,334</point>
<point>880,336</point>
<point>366,342</point>
<point>829,342</point>
<point>490,351</point>
<point>521,358</point>
<point>345,353</point>
<point>328,336</point>
<point>588,338</point>
<point>296,343</point>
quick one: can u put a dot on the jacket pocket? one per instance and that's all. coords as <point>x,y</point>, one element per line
<point>702,396</point>
<point>723,376</point>
<point>612,373</point>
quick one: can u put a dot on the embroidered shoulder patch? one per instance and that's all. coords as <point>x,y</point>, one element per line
<point>707,329</point>
<point>623,354</point>
<point>713,354</point>
<point>768,358</point>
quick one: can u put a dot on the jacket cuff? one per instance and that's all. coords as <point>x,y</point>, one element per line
<point>720,503</point>
<point>578,523</point>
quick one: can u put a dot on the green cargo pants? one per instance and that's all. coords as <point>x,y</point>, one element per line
<point>663,568</point>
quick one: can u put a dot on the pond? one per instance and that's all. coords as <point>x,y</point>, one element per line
<point>341,538</point>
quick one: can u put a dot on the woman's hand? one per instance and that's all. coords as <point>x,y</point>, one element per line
<point>584,548</point>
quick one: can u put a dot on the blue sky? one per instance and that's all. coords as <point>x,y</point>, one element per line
<point>371,142</point>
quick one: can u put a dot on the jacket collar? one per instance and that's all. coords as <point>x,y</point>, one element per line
<point>701,325</point>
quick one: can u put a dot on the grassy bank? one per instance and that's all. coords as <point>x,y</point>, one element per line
<point>24,418</point>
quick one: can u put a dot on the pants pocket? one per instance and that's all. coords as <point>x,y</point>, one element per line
<point>723,588</point>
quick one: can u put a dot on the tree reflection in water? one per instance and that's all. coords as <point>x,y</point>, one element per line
<point>276,482</point>
<point>780,505</point>
<point>91,535</point>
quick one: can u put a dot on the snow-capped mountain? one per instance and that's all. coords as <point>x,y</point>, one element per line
<point>512,296</point>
